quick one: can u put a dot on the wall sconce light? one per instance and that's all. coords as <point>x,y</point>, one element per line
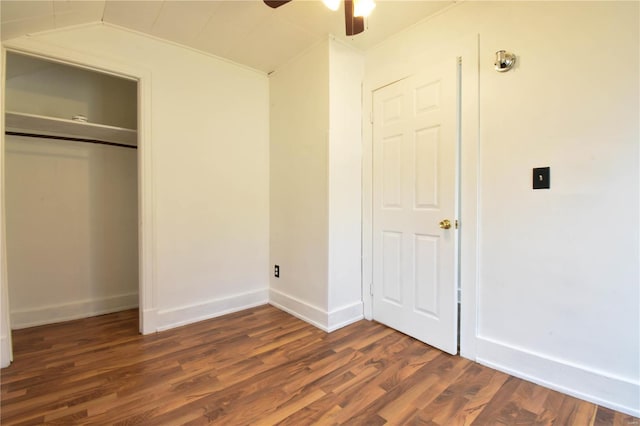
<point>504,60</point>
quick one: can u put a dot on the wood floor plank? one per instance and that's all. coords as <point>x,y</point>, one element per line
<point>479,389</point>
<point>500,409</point>
<point>321,411</point>
<point>263,367</point>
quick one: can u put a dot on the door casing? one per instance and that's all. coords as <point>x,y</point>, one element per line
<point>146,222</point>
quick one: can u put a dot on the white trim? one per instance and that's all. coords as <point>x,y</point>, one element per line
<point>146,189</point>
<point>69,311</point>
<point>469,238</point>
<point>147,265</point>
<point>150,320</point>
<point>299,309</point>
<point>5,351</point>
<point>326,321</point>
<point>176,317</point>
<point>580,381</point>
<point>344,316</point>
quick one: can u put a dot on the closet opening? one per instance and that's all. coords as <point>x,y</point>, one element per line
<point>71,191</point>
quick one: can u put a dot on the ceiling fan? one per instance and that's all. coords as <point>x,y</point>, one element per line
<point>354,12</point>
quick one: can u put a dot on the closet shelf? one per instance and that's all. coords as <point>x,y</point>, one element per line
<point>51,126</point>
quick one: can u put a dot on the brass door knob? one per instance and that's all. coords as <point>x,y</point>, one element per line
<point>445,224</point>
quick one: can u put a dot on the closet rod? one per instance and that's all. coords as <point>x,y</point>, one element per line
<point>64,138</point>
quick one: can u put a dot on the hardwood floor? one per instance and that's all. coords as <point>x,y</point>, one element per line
<point>263,367</point>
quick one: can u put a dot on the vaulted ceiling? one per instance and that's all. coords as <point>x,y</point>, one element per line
<point>244,31</point>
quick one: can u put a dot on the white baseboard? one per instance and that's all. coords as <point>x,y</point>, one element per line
<point>327,321</point>
<point>149,321</point>
<point>5,352</point>
<point>74,310</point>
<point>171,318</point>
<point>582,382</point>
<point>299,309</point>
<point>345,315</point>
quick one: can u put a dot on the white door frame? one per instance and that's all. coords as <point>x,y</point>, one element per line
<point>468,186</point>
<point>146,220</point>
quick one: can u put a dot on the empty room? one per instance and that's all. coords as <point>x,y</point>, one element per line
<point>300,212</point>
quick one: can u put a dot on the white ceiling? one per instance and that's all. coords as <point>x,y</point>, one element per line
<point>244,31</point>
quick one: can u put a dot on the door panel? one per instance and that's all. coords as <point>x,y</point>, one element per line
<point>414,177</point>
<point>392,267</point>
<point>392,172</point>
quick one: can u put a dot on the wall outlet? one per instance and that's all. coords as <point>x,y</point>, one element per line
<point>276,271</point>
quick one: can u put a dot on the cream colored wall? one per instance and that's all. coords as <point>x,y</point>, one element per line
<point>72,234</point>
<point>315,185</point>
<point>557,280</point>
<point>208,137</point>
<point>346,69</point>
<point>299,100</point>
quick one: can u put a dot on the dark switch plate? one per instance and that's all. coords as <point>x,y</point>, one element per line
<point>541,178</point>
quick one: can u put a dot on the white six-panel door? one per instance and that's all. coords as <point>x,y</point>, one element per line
<point>415,139</point>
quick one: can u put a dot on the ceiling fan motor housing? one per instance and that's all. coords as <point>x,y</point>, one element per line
<point>353,24</point>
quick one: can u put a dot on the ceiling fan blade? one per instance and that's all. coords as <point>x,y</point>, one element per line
<point>275,3</point>
<point>354,24</point>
